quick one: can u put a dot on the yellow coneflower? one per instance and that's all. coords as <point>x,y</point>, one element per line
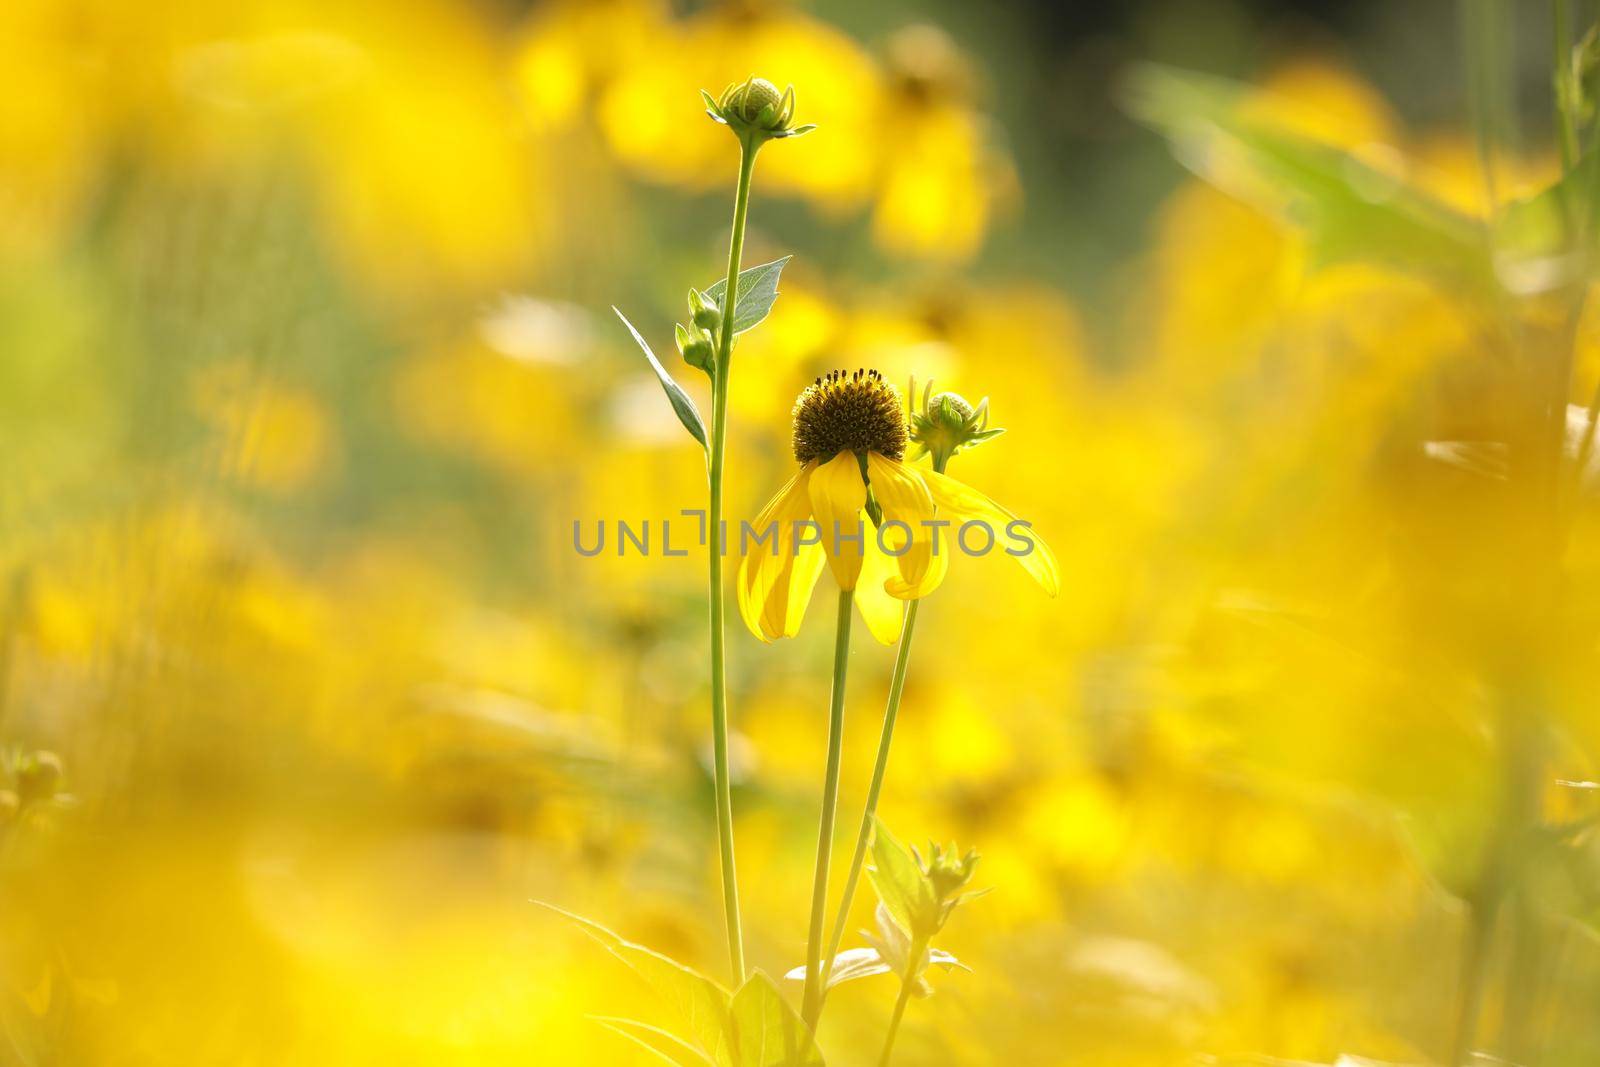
<point>850,438</point>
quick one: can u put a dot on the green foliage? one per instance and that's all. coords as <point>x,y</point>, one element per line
<point>1349,209</point>
<point>916,896</point>
<point>897,880</point>
<point>889,953</point>
<point>657,1041</point>
<point>767,1032</point>
<point>755,294</point>
<point>682,406</point>
<point>753,1027</point>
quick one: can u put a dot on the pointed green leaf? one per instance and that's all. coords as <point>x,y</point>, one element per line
<point>681,404</point>
<point>900,885</point>
<point>755,294</point>
<point>768,1032</point>
<point>1349,209</point>
<point>667,1047</point>
<point>698,1006</point>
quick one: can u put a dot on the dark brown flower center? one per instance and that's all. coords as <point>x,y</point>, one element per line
<point>849,411</point>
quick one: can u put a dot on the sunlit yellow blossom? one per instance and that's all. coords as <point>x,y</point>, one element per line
<point>850,437</point>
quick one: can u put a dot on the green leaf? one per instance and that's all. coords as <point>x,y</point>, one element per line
<point>856,963</point>
<point>667,1047</point>
<point>755,294</point>
<point>768,1031</point>
<point>681,404</point>
<point>898,880</point>
<point>1534,249</point>
<point>698,1005</point>
<point>1349,209</point>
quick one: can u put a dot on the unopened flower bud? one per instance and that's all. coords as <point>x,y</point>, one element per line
<point>755,107</point>
<point>706,314</point>
<point>946,423</point>
<point>749,100</point>
<point>697,351</point>
<point>948,872</point>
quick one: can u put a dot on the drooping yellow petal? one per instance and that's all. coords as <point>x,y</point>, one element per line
<point>837,496</point>
<point>961,503</point>
<point>768,545</point>
<point>799,580</point>
<point>905,499</point>
<point>883,613</point>
<point>941,545</point>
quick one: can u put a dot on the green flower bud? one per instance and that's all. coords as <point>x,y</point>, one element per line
<point>695,348</point>
<point>752,98</point>
<point>755,108</point>
<point>947,872</point>
<point>699,354</point>
<point>947,423</point>
<point>38,777</point>
<point>950,408</point>
<point>706,314</point>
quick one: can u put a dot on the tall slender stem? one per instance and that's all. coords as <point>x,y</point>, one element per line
<point>917,949</point>
<point>891,712</point>
<point>1566,121</point>
<point>1472,976</point>
<point>719,665</point>
<point>811,1000</point>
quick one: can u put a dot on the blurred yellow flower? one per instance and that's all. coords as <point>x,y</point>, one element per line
<point>277,437</point>
<point>942,177</point>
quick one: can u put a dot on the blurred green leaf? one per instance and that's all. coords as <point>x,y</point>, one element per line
<point>1349,209</point>
<point>681,404</point>
<point>755,1027</point>
<point>755,295</point>
<point>699,1005</point>
<point>769,1032</point>
<point>1533,247</point>
<point>665,1046</point>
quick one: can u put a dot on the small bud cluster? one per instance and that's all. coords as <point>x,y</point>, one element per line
<point>917,892</point>
<point>948,874</point>
<point>697,341</point>
<point>945,423</point>
<point>755,108</point>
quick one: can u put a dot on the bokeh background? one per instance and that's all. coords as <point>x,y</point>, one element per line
<point>307,368</point>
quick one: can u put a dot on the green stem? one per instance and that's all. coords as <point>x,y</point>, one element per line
<point>719,664</point>
<point>1474,972</point>
<point>811,1000</point>
<point>864,834</point>
<point>1566,121</point>
<point>891,713</point>
<point>917,949</point>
